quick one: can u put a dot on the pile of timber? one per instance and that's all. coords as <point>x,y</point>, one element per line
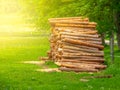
<point>76,45</point>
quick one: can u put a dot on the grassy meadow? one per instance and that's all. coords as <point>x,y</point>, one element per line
<point>15,75</point>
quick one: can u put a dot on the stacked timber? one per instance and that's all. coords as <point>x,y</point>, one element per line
<point>76,45</point>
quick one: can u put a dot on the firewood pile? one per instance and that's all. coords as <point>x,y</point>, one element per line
<point>76,45</point>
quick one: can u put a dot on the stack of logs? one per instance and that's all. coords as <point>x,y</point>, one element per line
<point>76,45</point>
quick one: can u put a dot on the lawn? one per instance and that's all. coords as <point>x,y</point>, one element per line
<point>15,75</point>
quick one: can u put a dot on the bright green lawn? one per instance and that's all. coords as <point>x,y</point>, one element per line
<point>15,75</point>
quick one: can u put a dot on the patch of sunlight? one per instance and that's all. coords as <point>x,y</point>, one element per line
<point>11,19</point>
<point>13,23</point>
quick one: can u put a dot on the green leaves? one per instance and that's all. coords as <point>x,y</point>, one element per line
<point>100,11</point>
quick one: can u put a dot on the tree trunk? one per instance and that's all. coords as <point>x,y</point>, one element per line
<point>117,21</point>
<point>103,38</point>
<point>112,47</point>
<point>118,39</point>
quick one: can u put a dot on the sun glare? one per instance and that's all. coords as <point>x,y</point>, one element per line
<point>11,18</point>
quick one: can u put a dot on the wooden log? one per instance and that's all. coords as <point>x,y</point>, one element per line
<point>81,49</point>
<point>77,70</point>
<point>80,38</point>
<point>80,35</point>
<point>79,46</point>
<point>71,65</point>
<point>101,53</point>
<point>94,42</point>
<point>69,18</point>
<point>75,28</point>
<point>79,32</point>
<point>80,61</point>
<point>79,57</point>
<point>82,54</point>
<point>84,60</point>
<point>75,21</point>
<point>74,25</point>
<point>64,18</point>
<point>83,65</point>
<point>87,41</point>
<point>83,43</point>
<point>72,22</point>
<point>100,66</point>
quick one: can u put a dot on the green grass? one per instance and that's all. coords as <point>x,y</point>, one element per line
<point>15,75</point>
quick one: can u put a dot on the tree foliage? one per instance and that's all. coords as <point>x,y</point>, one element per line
<point>100,11</point>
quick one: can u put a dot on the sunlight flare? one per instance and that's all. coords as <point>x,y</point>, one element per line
<point>11,18</point>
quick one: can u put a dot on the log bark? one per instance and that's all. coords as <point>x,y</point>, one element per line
<point>82,54</point>
<point>67,18</point>
<point>77,70</point>
<point>83,65</point>
<point>75,61</point>
<point>83,43</point>
<point>81,38</point>
<point>87,41</point>
<point>82,49</point>
<point>79,46</point>
<point>70,65</point>
<point>72,22</point>
<point>55,20</point>
<point>75,29</point>
<point>81,57</point>
<point>74,25</point>
<point>87,31</point>
<point>80,35</point>
<point>85,59</point>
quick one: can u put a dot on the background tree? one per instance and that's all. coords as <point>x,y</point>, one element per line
<point>104,12</point>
